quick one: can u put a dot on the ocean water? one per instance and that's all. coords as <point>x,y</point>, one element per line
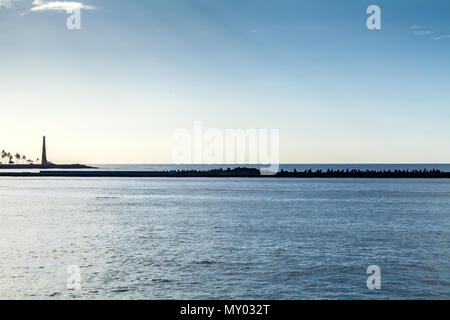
<point>289,167</point>
<point>163,238</point>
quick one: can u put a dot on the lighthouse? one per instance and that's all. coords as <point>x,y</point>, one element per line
<point>44,152</point>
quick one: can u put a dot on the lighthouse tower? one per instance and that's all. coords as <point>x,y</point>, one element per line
<point>44,152</point>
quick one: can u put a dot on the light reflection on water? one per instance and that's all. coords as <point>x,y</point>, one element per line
<point>201,238</point>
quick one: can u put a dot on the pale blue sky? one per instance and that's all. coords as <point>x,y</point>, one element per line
<point>114,91</point>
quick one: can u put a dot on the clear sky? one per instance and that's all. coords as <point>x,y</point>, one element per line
<point>114,91</point>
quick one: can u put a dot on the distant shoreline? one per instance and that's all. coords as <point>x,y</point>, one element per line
<point>231,173</point>
<point>43,166</point>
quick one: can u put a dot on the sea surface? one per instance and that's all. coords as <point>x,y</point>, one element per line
<point>235,238</point>
<point>289,167</point>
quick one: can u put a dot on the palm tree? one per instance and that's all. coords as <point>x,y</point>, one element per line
<point>3,155</point>
<point>17,156</point>
<point>10,157</point>
<point>24,158</point>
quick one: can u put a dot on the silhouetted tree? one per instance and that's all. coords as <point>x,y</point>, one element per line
<point>4,155</point>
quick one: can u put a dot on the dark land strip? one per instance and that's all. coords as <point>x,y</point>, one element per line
<point>235,173</point>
